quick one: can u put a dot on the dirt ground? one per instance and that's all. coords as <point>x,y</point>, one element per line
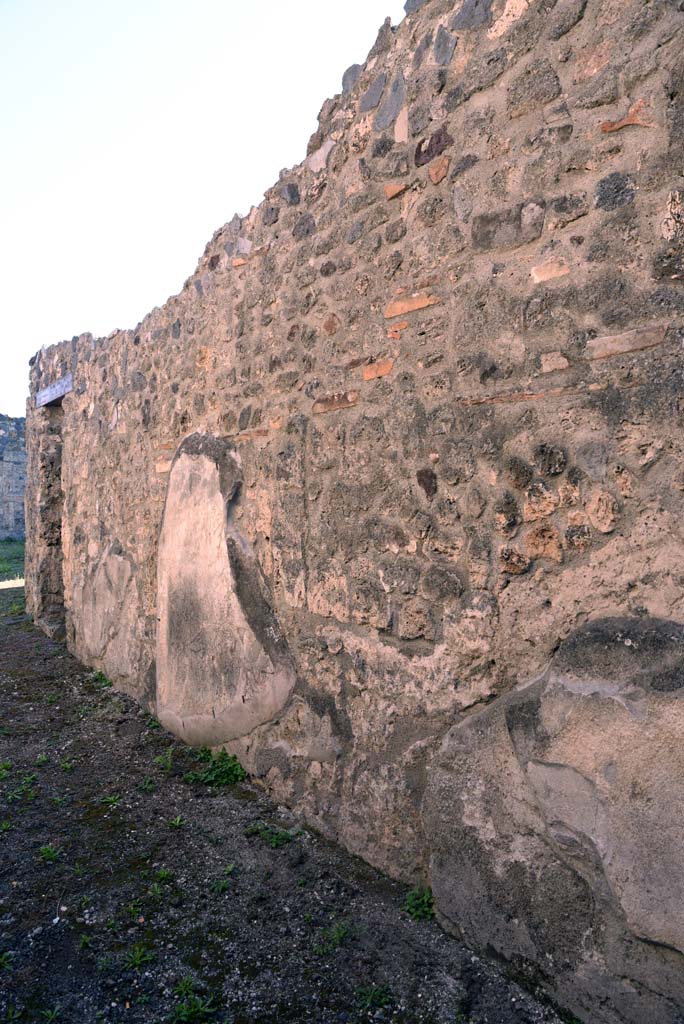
<point>130,893</point>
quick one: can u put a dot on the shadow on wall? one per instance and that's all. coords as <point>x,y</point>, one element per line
<point>44,510</point>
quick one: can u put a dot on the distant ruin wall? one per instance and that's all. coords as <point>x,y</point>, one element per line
<point>389,499</point>
<point>12,476</point>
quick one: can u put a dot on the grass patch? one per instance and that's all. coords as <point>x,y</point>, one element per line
<point>24,791</point>
<point>331,938</point>
<point>223,883</point>
<point>194,1010</point>
<point>110,801</point>
<point>220,769</point>
<point>11,559</point>
<point>48,853</point>
<point>165,760</point>
<point>138,956</point>
<point>374,997</point>
<point>100,681</point>
<point>52,1014</point>
<point>269,834</point>
<point>419,904</point>
<point>18,606</point>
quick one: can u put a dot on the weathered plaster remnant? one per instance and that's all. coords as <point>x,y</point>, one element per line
<point>12,476</point>
<point>223,667</point>
<point>409,438</point>
<point>547,805</point>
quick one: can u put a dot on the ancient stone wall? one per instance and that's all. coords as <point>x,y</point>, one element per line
<point>12,476</point>
<point>389,498</point>
<point>44,511</point>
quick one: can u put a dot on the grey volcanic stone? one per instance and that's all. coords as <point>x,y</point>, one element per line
<point>373,93</point>
<point>601,89</point>
<point>537,85</point>
<point>351,77</point>
<point>271,214</point>
<point>305,226</point>
<point>290,193</point>
<point>614,191</point>
<point>464,164</point>
<point>421,50</point>
<point>481,75</point>
<point>391,105</point>
<point>445,44</point>
<point>463,204</point>
<point>567,14</point>
<point>472,14</point>
<point>384,39</point>
<point>668,263</point>
<point>550,459</point>
<point>508,228</point>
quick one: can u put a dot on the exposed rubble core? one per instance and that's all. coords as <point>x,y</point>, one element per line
<point>12,476</point>
<point>408,439</point>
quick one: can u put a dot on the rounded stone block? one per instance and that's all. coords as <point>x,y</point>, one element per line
<point>223,668</point>
<point>556,839</point>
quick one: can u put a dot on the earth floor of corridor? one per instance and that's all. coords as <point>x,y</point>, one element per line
<point>128,893</point>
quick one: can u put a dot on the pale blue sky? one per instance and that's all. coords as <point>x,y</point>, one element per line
<point>130,131</point>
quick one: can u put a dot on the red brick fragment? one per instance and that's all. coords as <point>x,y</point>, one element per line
<point>333,402</point>
<point>630,341</point>
<point>394,189</point>
<point>551,361</point>
<point>549,271</point>
<point>438,169</point>
<point>398,307</point>
<point>394,332</point>
<point>380,369</point>
<point>630,118</point>
<point>251,435</point>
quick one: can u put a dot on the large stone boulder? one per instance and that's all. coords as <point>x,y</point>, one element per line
<point>223,666</point>
<point>556,824</point>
